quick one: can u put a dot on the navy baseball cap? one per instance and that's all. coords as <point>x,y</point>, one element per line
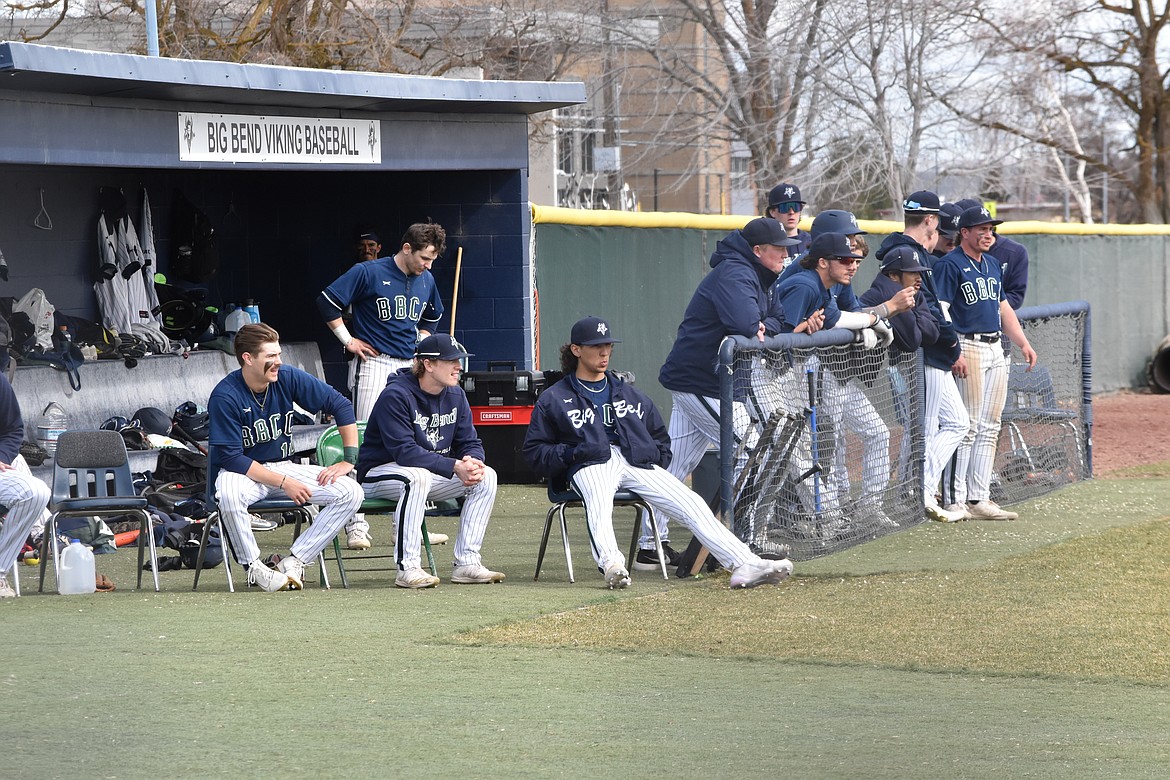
<point>948,219</point>
<point>977,215</point>
<point>829,245</point>
<point>836,221</point>
<point>765,230</point>
<point>902,258</point>
<point>921,202</point>
<point>784,193</point>
<point>968,203</point>
<point>440,347</point>
<point>369,236</point>
<point>591,331</point>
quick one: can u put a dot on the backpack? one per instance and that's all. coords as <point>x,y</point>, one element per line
<point>96,335</point>
<point>196,258</point>
<point>184,466</point>
<point>66,356</point>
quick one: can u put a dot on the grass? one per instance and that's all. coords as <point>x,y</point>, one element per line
<point>1029,649</point>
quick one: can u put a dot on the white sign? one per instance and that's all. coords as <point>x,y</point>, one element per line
<point>281,139</point>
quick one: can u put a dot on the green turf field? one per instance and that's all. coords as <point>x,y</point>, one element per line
<point>1029,649</point>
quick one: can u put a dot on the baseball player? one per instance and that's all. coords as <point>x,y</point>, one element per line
<point>948,228</point>
<point>971,295</point>
<point>823,287</point>
<point>369,246</point>
<point>785,206</point>
<point>733,299</point>
<point>395,303</point>
<point>25,496</point>
<point>421,429</point>
<point>945,417</point>
<point>1013,261</point>
<point>602,435</point>
<point>249,445</point>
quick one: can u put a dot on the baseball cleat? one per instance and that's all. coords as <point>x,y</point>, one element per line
<point>616,576</point>
<point>760,572</point>
<point>415,578</point>
<point>293,568</point>
<point>437,538</point>
<point>357,539</point>
<point>940,515</point>
<point>959,509</point>
<point>270,580</point>
<point>475,574</point>
<point>6,590</point>
<point>989,510</point>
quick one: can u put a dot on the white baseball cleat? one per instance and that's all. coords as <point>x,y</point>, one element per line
<point>270,580</point>
<point>616,576</point>
<point>437,538</point>
<point>357,539</point>
<point>959,509</point>
<point>760,572</point>
<point>475,574</point>
<point>989,510</point>
<point>415,578</point>
<point>294,568</point>
<point>940,515</point>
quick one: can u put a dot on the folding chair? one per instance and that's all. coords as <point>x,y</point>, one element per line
<point>1031,398</point>
<point>330,451</point>
<point>91,477</point>
<point>564,497</point>
<point>269,506</point>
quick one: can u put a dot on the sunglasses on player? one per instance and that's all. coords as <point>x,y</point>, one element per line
<point>789,206</point>
<point>848,260</point>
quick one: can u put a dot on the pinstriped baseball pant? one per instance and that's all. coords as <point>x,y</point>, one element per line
<point>428,486</point>
<point>945,422</point>
<point>236,492</point>
<point>367,380</point>
<point>26,498</point>
<point>851,410</point>
<point>663,491</point>
<point>984,393</point>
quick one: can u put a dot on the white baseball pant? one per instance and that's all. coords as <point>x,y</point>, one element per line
<point>945,422</point>
<point>236,492</point>
<point>693,427</point>
<point>26,498</point>
<point>367,380</point>
<point>984,393</point>
<point>426,485</point>
<point>850,409</point>
<point>663,491</point>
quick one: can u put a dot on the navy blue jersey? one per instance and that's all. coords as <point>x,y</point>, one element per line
<point>841,298</point>
<point>972,288</point>
<point>388,306</point>
<point>11,423</point>
<point>411,427</point>
<point>247,426</point>
<point>1013,269</point>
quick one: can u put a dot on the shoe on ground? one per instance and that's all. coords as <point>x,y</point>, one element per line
<point>437,538</point>
<point>358,539</point>
<point>415,578</point>
<point>270,580</point>
<point>760,572</point>
<point>6,591</point>
<point>261,523</point>
<point>989,510</point>
<point>294,568</point>
<point>940,515</point>
<point>616,576</point>
<point>475,574</point>
<point>647,560</point>
<point>959,509</point>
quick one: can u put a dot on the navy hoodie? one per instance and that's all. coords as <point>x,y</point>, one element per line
<point>943,353</point>
<point>11,423</point>
<point>411,427</point>
<point>733,299</point>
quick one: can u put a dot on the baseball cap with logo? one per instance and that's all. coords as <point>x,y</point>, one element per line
<point>921,202</point>
<point>977,215</point>
<point>765,230</point>
<point>591,331</point>
<point>902,258</point>
<point>369,235</point>
<point>441,347</point>
<point>948,219</point>
<point>784,193</point>
<point>830,245</point>
<point>836,221</point>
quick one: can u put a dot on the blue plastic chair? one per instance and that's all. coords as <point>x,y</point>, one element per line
<point>91,477</point>
<point>565,496</point>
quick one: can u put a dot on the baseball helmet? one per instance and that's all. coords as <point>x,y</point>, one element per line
<point>836,221</point>
<point>192,420</point>
<point>153,420</point>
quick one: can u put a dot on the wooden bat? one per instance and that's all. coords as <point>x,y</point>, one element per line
<point>455,292</point>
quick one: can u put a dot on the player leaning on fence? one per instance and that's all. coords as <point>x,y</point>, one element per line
<point>600,434</point>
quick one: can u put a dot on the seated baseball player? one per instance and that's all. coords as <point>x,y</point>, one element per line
<point>250,446</point>
<point>420,428</point>
<point>23,494</point>
<point>601,434</point>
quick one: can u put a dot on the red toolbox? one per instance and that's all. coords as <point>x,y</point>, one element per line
<point>502,399</point>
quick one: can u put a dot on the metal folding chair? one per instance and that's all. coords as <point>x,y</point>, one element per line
<point>329,451</point>
<point>568,497</point>
<point>91,478</point>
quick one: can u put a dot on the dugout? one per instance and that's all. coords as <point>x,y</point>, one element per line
<point>390,150</point>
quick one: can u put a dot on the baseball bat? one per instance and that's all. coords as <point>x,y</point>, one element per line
<point>455,291</point>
